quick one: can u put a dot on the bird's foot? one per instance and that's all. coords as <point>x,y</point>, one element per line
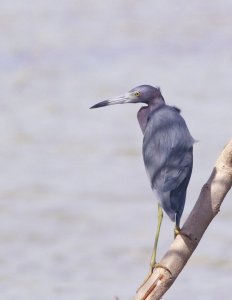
<point>177,231</point>
<point>162,267</point>
<point>155,266</point>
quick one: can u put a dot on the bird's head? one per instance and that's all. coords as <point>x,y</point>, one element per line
<point>140,94</point>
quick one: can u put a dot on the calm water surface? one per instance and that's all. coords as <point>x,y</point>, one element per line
<point>77,216</point>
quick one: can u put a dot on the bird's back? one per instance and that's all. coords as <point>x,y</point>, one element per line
<point>167,153</point>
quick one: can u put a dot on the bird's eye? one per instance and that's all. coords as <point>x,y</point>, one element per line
<point>137,94</point>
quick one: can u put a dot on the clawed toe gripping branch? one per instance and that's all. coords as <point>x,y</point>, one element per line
<point>207,206</point>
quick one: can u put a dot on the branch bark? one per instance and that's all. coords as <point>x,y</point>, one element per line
<point>206,208</point>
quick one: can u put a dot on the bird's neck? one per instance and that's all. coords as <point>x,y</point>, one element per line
<point>145,111</point>
<point>156,103</point>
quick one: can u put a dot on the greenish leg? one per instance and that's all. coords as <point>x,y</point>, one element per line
<point>177,231</point>
<point>153,257</point>
<point>153,263</point>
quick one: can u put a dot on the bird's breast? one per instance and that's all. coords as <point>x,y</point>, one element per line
<point>143,116</point>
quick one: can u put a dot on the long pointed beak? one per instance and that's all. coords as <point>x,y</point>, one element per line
<point>127,98</point>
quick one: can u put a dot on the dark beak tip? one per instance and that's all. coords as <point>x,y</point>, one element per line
<point>100,104</point>
<point>94,106</point>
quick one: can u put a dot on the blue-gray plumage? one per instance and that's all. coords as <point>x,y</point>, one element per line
<point>167,151</point>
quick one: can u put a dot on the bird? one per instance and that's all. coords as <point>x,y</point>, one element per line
<point>167,154</point>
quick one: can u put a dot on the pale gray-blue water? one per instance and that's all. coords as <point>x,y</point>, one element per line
<point>77,215</point>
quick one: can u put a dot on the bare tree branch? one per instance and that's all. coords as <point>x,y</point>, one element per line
<point>207,206</point>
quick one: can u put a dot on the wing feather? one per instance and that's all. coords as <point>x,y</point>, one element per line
<point>167,149</point>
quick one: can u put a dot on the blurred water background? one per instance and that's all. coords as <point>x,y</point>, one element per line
<point>77,216</point>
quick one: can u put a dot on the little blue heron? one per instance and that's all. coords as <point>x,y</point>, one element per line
<point>167,153</point>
